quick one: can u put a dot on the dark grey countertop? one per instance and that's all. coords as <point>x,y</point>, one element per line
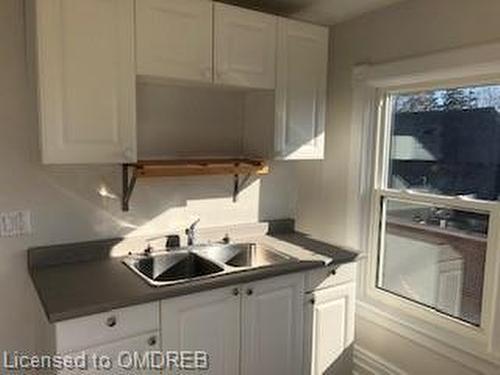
<point>337,254</point>
<point>74,288</point>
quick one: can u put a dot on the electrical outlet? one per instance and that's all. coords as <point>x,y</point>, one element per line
<point>15,223</point>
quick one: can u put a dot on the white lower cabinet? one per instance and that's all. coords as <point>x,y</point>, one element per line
<point>130,355</point>
<point>207,321</point>
<point>296,324</point>
<point>265,316</point>
<point>329,325</point>
<point>111,340</point>
<point>272,326</point>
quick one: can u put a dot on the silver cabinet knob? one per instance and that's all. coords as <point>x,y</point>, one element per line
<point>111,321</point>
<point>152,341</point>
<point>236,292</point>
<point>249,292</point>
<point>312,301</point>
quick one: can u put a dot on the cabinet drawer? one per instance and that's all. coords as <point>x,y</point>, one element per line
<point>98,329</point>
<point>120,353</point>
<point>324,277</point>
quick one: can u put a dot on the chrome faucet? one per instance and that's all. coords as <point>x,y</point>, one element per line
<point>191,234</point>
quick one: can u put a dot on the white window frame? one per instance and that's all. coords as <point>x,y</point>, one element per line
<point>468,66</point>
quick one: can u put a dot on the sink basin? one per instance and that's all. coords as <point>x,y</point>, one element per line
<point>166,268</point>
<point>201,262</point>
<point>245,255</point>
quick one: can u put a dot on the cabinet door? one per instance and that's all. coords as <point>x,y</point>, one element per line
<point>301,90</point>
<point>208,321</point>
<point>245,47</point>
<point>118,357</point>
<point>174,39</point>
<point>86,77</point>
<point>329,330</point>
<point>272,326</point>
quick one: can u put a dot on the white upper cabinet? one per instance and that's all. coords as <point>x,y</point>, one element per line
<point>86,80</point>
<point>245,47</point>
<point>272,326</point>
<point>89,53</point>
<point>174,39</point>
<point>301,90</point>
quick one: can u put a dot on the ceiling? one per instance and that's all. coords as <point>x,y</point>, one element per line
<point>327,12</point>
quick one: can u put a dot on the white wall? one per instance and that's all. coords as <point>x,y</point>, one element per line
<point>407,29</point>
<point>176,121</point>
<point>64,199</point>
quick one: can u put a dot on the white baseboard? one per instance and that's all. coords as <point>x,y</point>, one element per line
<point>366,362</point>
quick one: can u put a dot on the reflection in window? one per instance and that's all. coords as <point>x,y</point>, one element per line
<point>434,256</point>
<point>447,142</point>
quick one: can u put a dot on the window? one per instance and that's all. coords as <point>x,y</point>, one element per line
<point>447,142</point>
<point>438,175</point>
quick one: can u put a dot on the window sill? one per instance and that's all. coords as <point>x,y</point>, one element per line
<point>471,353</point>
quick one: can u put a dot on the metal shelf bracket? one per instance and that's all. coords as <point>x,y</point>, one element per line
<point>241,170</point>
<point>128,185</point>
<point>239,185</point>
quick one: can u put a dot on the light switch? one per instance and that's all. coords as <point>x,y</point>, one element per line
<point>15,223</point>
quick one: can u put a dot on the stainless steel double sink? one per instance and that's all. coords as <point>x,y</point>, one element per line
<point>201,262</point>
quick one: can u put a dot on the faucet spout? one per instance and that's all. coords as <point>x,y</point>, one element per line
<point>191,233</point>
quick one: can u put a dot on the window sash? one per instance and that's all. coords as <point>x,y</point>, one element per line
<point>382,166</point>
<point>377,230</point>
<point>414,308</point>
<point>453,202</point>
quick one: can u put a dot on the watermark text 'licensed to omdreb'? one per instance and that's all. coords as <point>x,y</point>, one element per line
<point>125,360</point>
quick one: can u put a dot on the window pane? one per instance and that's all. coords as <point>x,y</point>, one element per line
<point>447,142</point>
<point>435,256</point>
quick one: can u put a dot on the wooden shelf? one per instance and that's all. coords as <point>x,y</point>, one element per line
<point>191,167</point>
<point>199,167</point>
